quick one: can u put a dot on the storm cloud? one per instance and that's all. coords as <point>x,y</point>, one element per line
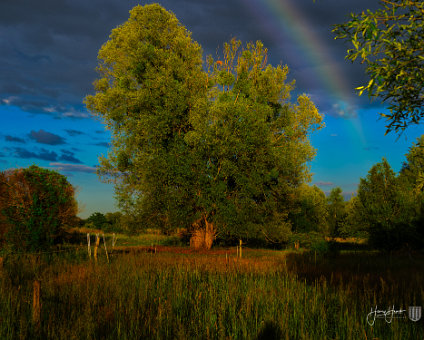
<point>49,57</point>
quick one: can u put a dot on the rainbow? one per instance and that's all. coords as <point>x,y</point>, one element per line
<point>282,20</point>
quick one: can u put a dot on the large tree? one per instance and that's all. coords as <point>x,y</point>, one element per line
<point>251,144</point>
<point>390,43</point>
<point>151,77</point>
<point>221,149</point>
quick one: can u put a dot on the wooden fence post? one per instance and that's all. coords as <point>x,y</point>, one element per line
<point>89,246</point>
<point>113,240</point>
<point>96,246</point>
<point>36,305</point>
<point>240,248</point>
<point>104,243</point>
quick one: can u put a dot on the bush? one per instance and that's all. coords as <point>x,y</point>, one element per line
<point>36,206</point>
<point>313,241</point>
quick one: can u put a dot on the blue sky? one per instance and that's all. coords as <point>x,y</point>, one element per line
<point>47,66</point>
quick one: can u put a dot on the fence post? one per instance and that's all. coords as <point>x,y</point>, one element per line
<point>96,246</point>
<point>104,242</point>
<point>113,240</point>
<point>89,246</point>
<point>240,248</point>
<point>36,305</point>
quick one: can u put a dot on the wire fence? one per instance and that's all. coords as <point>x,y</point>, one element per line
<point>70,249</point>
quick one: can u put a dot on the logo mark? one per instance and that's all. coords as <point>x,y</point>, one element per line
<point>414,313</point>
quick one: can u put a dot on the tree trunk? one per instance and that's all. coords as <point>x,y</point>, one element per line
<point>203,234</point>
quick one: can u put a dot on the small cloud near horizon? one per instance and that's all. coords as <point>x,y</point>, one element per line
<point>105,144</point>
<point>323,184</point>
<point>73,167</point>
<point>9,138</point>
<point>370,148</point>
<point>69,157</point>
<point>73,133</point>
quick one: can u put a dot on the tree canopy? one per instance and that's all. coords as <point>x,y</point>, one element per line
<point>36,204</point>
<point>390,43</point>
<point>387,209</point>
<point>196,145</point>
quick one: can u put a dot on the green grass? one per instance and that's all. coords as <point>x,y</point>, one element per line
<point>172,295</point>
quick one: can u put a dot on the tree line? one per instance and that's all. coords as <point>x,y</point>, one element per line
<point>217,146</point>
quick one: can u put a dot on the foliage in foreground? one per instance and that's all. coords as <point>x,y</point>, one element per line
<point>168,295</point>
<point>389,42</point>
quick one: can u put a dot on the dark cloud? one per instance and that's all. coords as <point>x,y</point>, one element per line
<point>51,47</point>
<point>44,154</point>
<point>74,132</point>
<point>44,137</point>
<point>73,167</point>
<point>51,51</point>
<point>69,156</point>
<point>14,139</point>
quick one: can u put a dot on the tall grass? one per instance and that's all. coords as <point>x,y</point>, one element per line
<point>201,296</point>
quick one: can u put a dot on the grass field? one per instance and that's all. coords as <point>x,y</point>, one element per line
<point>177,293</point>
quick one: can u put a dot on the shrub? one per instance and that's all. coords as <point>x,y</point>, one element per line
<point>313,241</point>
<point>36,205</point>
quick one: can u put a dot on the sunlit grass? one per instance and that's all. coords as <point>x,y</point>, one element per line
<point>173,294</point>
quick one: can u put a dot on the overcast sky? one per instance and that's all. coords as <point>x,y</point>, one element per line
<point>49,55</point>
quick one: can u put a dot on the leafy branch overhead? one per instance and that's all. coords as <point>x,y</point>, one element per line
<point>390,42</point>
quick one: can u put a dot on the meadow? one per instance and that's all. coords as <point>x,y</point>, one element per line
<point>177,293</point>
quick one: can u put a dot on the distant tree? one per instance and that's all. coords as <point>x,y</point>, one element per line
<point>221,150</point>
<point>97,221</point>
<point>390,43</point>
<point>412,177</point>
<point>413,168</point>
<point>114,221</point>
<point>353,225</point>
<point>36,205</point>
<point>387,208</point>
<point>336,211</point>
<point>310,213</point>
